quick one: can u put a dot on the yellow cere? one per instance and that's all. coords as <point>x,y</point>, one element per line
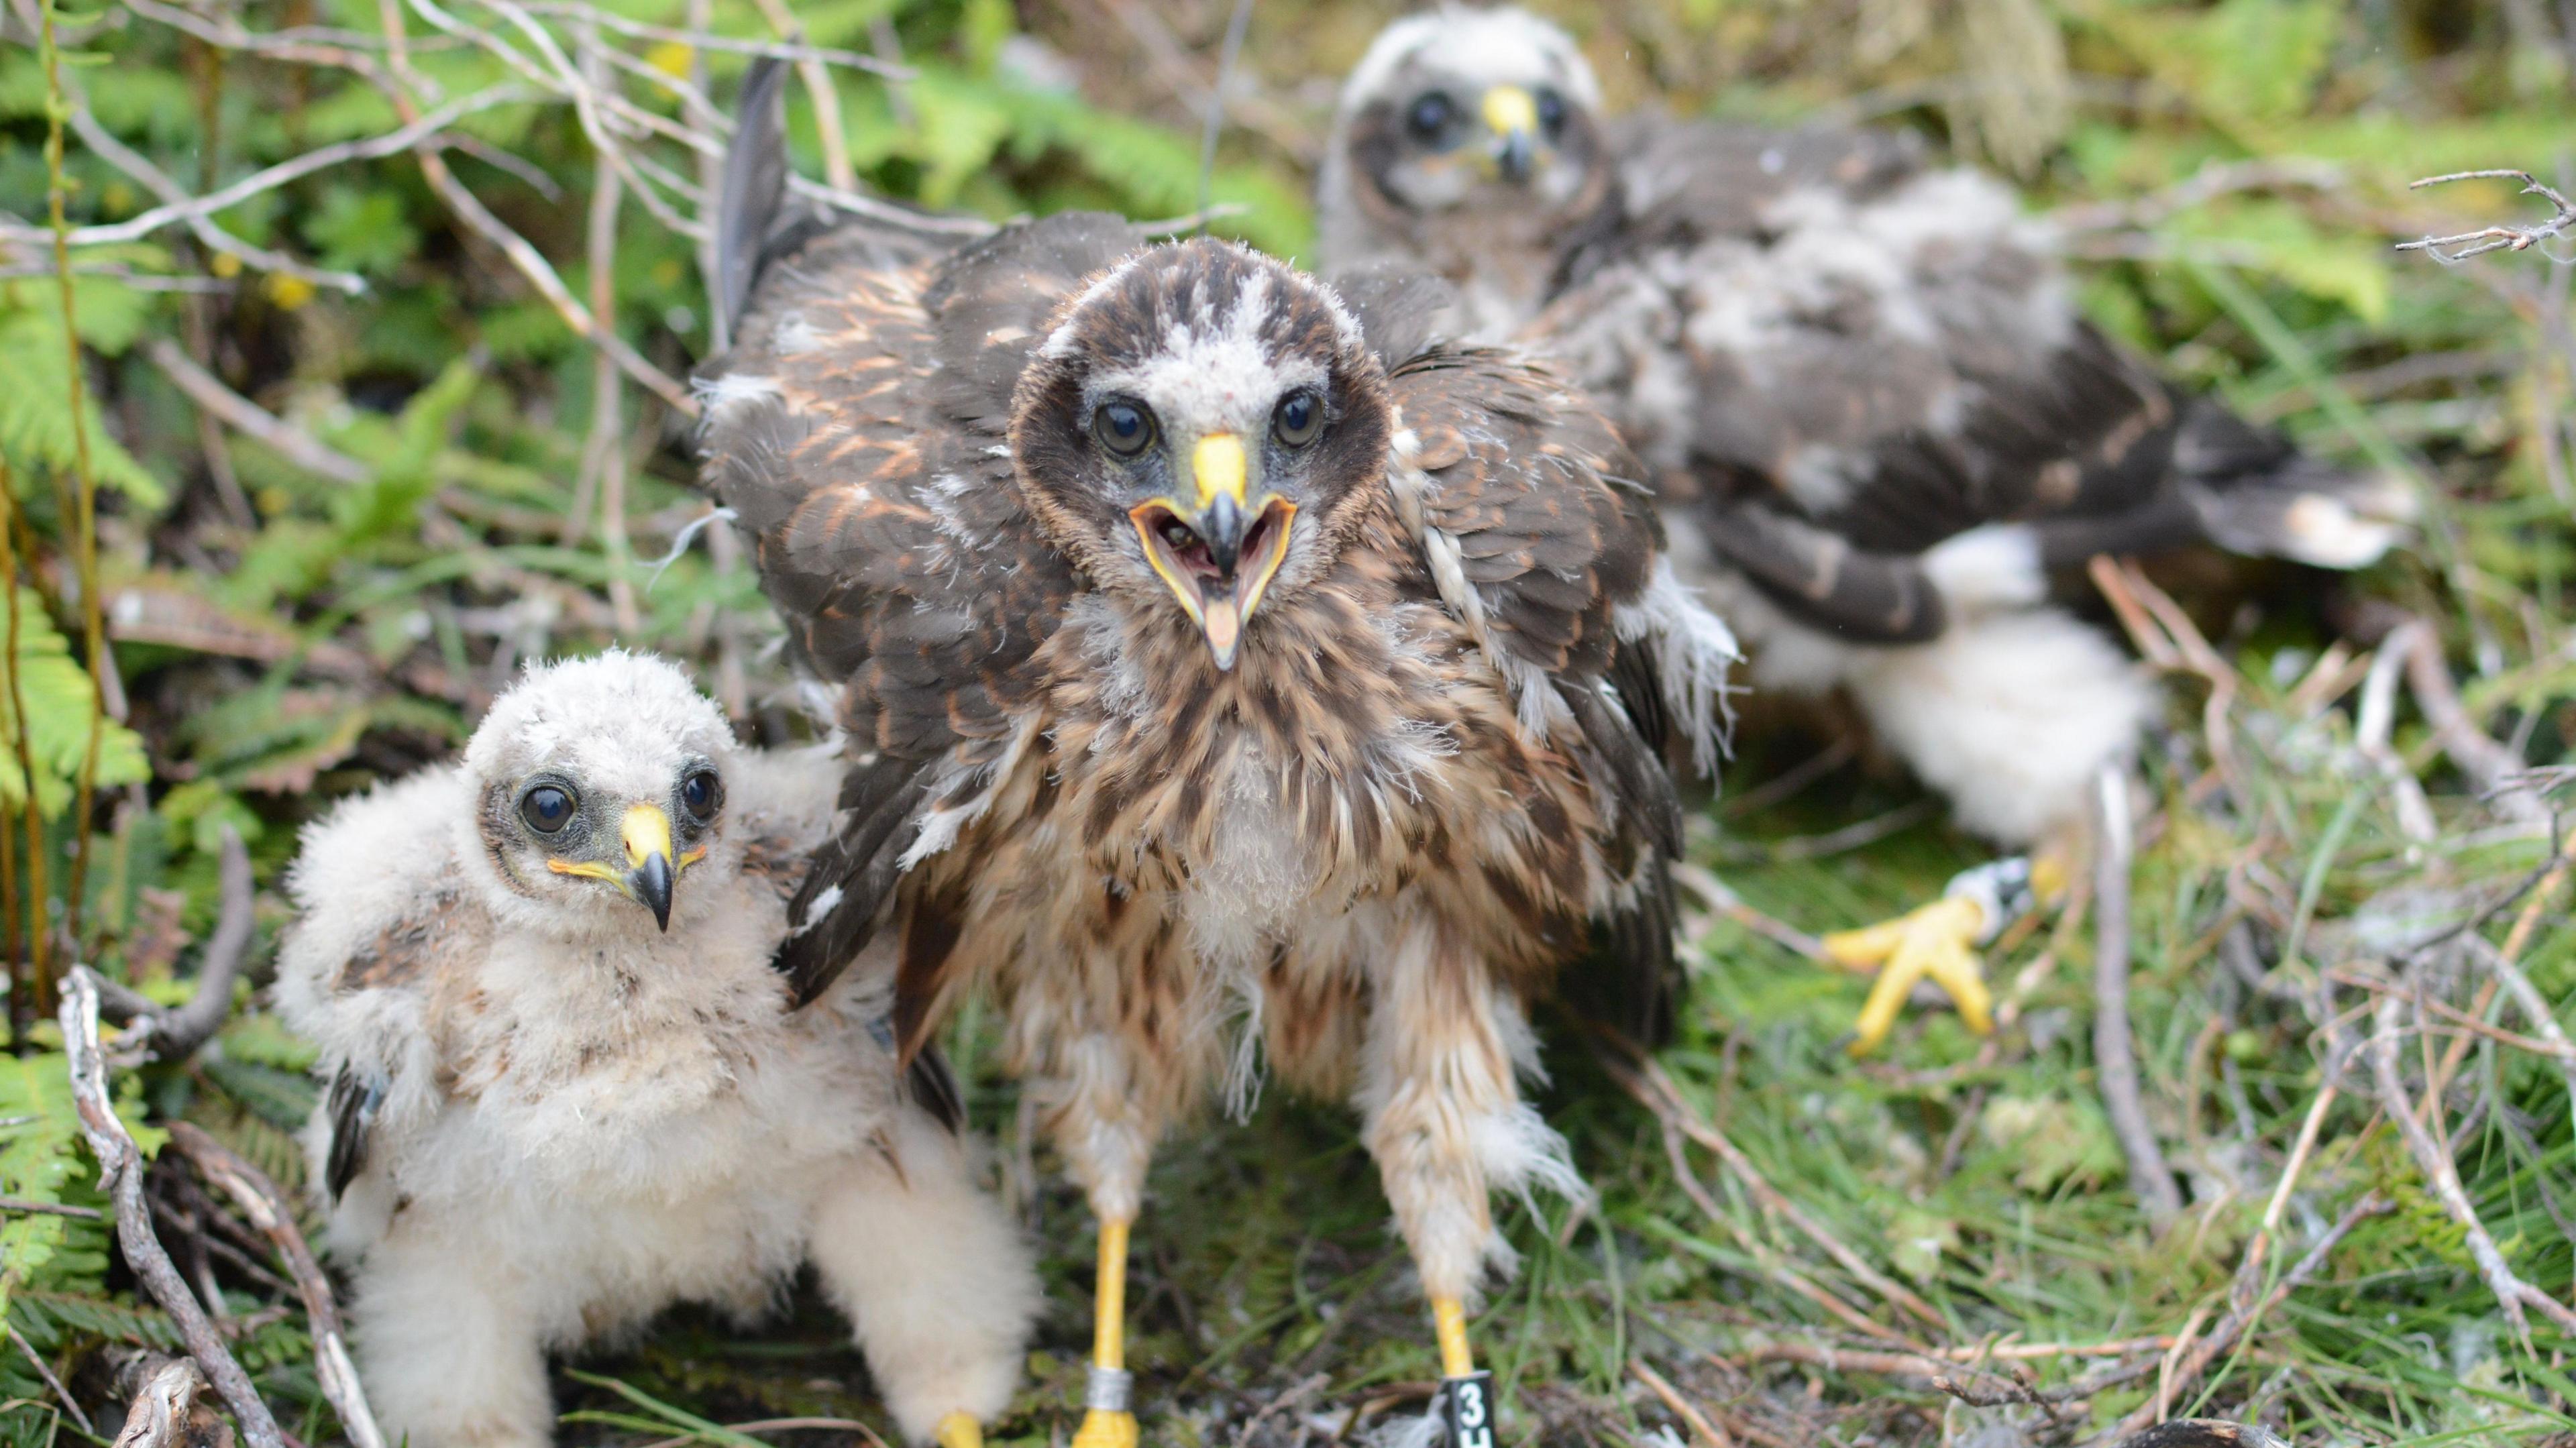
<point>1217,465</point>
<point>1509,109</point>
<point>647,832</point>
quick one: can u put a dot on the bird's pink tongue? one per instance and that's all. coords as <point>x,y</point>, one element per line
<point>1222,624</point>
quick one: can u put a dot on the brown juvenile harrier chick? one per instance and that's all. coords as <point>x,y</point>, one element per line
<point>1224,683</point>
<point>568,1089</point>
<point>1873,414</point>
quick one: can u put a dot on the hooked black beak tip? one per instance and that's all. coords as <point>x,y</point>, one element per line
<point>1518,157</point>
<point>1222,530</point>
<point>652,882</point>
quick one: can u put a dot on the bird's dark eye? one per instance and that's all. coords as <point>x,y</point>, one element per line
<point>547,808</point>
<point>702,794</point>
<point>1551,112</point>
<point>1299,418</point>
<point>1430,115</point>
<point>1123,427</point>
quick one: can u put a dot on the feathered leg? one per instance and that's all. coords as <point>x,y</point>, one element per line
<point>933,1277</point>
<point>1105,1122</point>
<point>1444,1119</point>
<point>2011,716</point>
<point>449,1359</point>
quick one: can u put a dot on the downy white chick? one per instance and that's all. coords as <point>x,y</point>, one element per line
<point>568,1089</point>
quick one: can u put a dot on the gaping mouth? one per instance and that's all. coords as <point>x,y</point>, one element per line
<point>1217,565</point>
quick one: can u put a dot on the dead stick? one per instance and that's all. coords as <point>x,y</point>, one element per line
<point>1778,1270</point>
<point>1709,1434</point>
<point>2511,1292</point>
<point>266,1206</point>
<point>2112,1055</point>
<point>121,1177</point>
<point>2241,1319</point>
<point>45,1370</point>
<point>2482,759</point>
<point>1698,1129</point>
<point>252,420</point>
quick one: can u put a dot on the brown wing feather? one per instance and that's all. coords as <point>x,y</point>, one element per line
<point>1555,534</point>
<point>1876,356</point>
<point>856,430</point>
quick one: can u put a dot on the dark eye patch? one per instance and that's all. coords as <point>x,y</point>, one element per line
<point>702,794</point>
<point>548,807</point>
<point>1429,115</point>
<point>1551,112</point>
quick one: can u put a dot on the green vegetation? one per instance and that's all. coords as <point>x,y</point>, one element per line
<point>349,462</point>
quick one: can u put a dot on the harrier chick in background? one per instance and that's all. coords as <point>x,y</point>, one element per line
<point>1875,419</point>
<point>1227,681</point>
<point>568,1089</point>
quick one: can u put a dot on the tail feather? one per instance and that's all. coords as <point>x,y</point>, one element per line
<point>2256,493</point>
<point>753,188</point>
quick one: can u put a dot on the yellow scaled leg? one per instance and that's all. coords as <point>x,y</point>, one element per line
<point>1938,942</point>
<point>959,1430</point>
<point>1467,1396</point>
<point>1108,1420</point>
<point>1449,1322</point>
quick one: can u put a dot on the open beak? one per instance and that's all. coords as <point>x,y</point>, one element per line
<point>1511,114</point>
<point>1218,551</point>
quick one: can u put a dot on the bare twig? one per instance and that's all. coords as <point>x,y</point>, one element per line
<point>2498,238</point>
<point>45,1370</point>
<point>1708,1434</point>
<point>189,209</point>
<point>2249,1310</point>
<point>2114,843</point>
<point>252,420</point>
<point>1286,1401</point>
<point>2490,765</point>
<point>1653,1089</point>
<point>173,1034</point>
<point>2511,1292</point>
<point>121,1177</point>
<point>698,39</point>
<point>266,1206</point>
<point>1700,881</point>
<point>151,178</point>
<point>2378,719</point>
<point>163,1404</point>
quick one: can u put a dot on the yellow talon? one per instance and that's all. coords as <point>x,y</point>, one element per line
<point>1936,942</point>
<point>959,1430</point>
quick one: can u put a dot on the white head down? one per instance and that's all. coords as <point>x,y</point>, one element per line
<point>598,789</point>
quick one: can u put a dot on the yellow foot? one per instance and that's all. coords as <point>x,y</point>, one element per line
<point>1936,942</point>
<point>959,1430</point>
<point>1104,1429</point>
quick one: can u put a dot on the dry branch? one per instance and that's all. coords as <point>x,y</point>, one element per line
<point>1706,1433</point>
<point>2492,766</point>
<point>165,1399</point>
<point>266,1206</point>
<point>2246,1311</point>
<point>252,420</point>
<point>2497,238</point>
<point>121,1178</point>
<point>2511,1292</point>
<point>1656,1091</point>
<point>2114,842</point>
<point>54,1384</point>
<point>172,1034</point>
